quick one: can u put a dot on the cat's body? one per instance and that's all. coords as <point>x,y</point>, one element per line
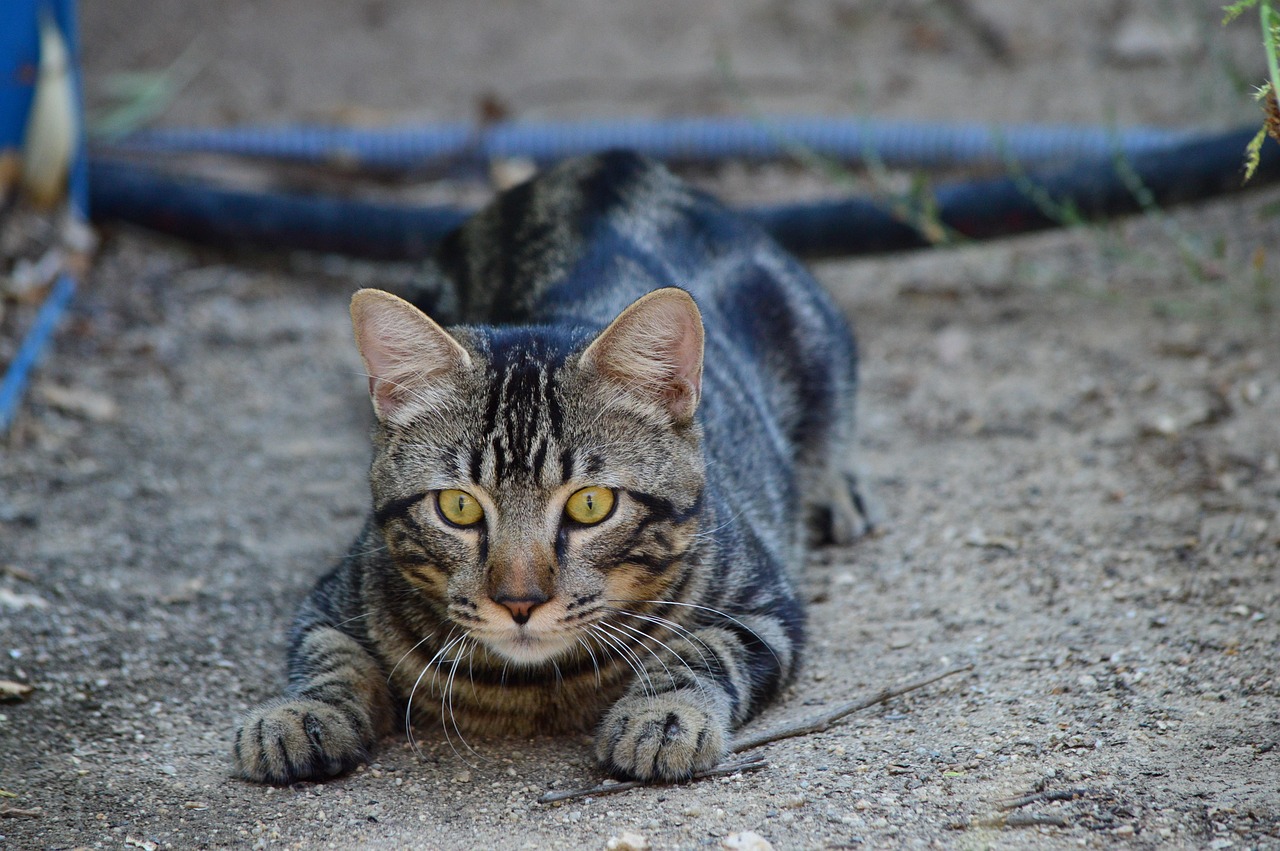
<point>578,520</point>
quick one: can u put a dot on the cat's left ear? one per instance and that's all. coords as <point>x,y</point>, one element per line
<point>406,354</point>
<point>653,350</point>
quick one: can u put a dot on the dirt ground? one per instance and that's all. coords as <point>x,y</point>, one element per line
<point>1075,438</point>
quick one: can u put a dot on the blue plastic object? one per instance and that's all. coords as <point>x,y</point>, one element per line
<point>894,143</point>
<point>986,208</point>
<point>19,50</point>
<point>33,345</point>
<point>19,54</point>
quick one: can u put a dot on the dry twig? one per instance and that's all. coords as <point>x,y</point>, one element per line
<point>820,723</point>
<point>816,724</point>
<point>1012,820</point>
<point>1046,795</point>
<point>731,767</point>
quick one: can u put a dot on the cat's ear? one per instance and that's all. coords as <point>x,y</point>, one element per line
<point>654,351</point>
<point>406,354</point>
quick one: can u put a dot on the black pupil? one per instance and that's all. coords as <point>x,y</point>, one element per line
<point>591,506</point>
<point>462,504</point>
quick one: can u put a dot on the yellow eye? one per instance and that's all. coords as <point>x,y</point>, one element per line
<point>589,505</point>
<point>459,507</point>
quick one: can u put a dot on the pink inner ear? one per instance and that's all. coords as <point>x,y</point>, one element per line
<point>654,348</point>
<point>686,349</point>
<point>404,352</point>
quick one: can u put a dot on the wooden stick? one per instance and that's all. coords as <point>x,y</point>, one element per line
<point>816,724</point>
<point>732,767</point>
<point>1012,820</point>
<point>820,723</point>
<point>1046,795</point>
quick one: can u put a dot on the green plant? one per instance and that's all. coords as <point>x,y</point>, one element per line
<point>136,98</point>
<point>1269,19</point>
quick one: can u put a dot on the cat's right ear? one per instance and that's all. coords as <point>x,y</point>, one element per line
<point>653,351</point>
<point>406,354</point>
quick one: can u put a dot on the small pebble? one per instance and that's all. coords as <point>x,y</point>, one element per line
<point>747,840</point>
<point>627,841</point>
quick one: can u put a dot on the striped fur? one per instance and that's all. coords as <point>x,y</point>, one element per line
<point>570,361</point>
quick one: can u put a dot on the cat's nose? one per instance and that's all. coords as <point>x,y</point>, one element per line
<point>521,608</point>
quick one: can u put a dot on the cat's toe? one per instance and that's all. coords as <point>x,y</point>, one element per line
<point>665,737</point>
<point>288,740</point>
<point>850,512</point>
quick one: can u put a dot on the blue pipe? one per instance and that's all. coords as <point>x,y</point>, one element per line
<point>894,143</point>
<point>976,209</point>
<point>14,383</point>
<point>990,208</point>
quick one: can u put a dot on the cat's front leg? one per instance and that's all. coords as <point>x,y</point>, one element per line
<point>679,714</point>
<point>668,736</point>
<point>336,708</point>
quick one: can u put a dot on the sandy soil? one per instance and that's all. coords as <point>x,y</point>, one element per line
<point>1075,438</point>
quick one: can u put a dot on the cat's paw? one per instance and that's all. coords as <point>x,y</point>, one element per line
<point>849,512</point>
<point>664,737</point>
<point>288,740</point>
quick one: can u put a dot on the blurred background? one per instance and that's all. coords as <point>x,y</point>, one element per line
<point>386,61</point>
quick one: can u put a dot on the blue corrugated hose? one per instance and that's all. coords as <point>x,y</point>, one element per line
<point>1094,187</point>
<point>894,143</point>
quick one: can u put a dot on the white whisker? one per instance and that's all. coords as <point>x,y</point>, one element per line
<point>587,647</point>
<point>352,619</point>
<point>406,655</point>
<point>680,632</point>
<point>627,656</point>
<point>446,701</point>
<point>622,636</point>
<point>408,709</point>
<point>724,615</point>
<point>678,629</point>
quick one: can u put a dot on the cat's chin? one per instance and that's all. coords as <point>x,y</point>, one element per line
<point>525,648</point>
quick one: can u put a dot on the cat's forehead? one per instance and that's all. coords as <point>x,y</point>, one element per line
<point>522,393</point>
<point>525,420</point>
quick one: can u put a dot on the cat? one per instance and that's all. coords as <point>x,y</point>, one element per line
<point>588,498</point>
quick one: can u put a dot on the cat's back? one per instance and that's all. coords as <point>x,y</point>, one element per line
<point>580,242</point>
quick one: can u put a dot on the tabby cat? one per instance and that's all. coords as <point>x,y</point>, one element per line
<point>586,499</point>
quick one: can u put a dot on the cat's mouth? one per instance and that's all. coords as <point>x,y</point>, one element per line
<point>525,646</point>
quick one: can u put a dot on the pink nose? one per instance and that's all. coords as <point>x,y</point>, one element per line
<point>521,608</point>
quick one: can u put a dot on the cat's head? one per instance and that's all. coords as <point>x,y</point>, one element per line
<point>530,481</point>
